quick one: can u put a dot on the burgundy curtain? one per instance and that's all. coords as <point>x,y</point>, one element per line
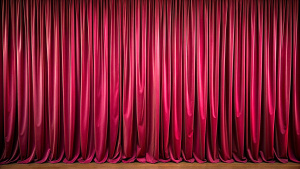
<point>149,80</point>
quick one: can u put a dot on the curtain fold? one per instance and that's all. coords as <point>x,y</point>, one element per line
<point>149,81</point>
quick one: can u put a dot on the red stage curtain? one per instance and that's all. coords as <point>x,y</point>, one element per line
<point>149,80</point>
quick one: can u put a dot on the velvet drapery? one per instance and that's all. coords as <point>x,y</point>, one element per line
<point>149,80</point>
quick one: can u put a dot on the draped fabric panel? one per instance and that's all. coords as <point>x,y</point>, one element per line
<point>149,81</point>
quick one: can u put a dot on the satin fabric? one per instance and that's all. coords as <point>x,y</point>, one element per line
<point>149,81</point>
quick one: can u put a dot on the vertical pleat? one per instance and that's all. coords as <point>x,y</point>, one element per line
<point>31,132</point>
<point>140,77</point>
<point>54,83</point>
<point>77,75</point>
<point>22,85</point>
<point>239,80</point>
<point>294,125</point>
<point>86,103</point>
<point>176,82</point>
<point>114,82</point>
<point>284,68</point>
<point>100,19</point>
<point>201,81</point>
<point>1,80</point>
<point>165,55</point>
<point>254,89</point>
<point>68,54</point>
<point>269,81</point>
<point>213,82</point>
<point>39,79</point>
<point>188,50</point>
<point>66,76</point>
<point>10,153</point>
<point>153,69</point>
<point>127,49</point>
<point>25,125</point>
<point>223,87</point>
<point>226,81</point>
